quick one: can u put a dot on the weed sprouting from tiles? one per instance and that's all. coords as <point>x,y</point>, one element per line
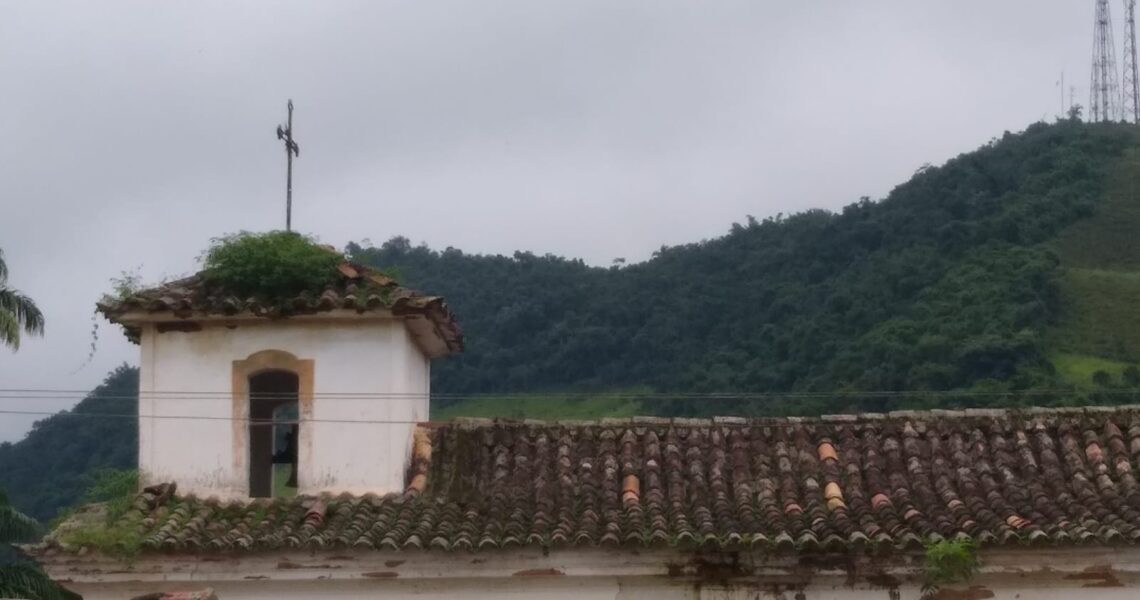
<point>948,562</point>
<point>114,529</point>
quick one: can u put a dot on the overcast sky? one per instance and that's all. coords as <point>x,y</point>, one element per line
<point>133,132</point>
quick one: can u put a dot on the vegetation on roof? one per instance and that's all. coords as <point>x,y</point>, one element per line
<point>107,521</point>
<point>948,562</point>
<point>270,265</point>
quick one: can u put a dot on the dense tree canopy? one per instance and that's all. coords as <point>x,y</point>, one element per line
<point>947,283</point>
<point>50,468</point>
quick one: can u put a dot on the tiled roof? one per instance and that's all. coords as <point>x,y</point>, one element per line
<point>868,483</point>
<point>356,288</point>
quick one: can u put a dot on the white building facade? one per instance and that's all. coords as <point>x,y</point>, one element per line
<point>600,575</point>
<point>361,382</point>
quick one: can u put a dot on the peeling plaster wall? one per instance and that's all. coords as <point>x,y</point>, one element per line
<point>609,588</point>
<point>189,374</point>
<point>665,574</point>
<point>539,590</point>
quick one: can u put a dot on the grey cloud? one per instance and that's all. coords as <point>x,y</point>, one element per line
<point>132,132</point>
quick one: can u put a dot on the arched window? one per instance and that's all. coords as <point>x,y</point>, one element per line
<point>273,433</point>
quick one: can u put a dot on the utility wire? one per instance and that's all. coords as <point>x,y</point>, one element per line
<point>208,418</point>
<point>47,394</point>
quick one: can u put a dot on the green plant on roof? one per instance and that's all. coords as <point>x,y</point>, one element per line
<point>116,487</point>
<point>269,266</point>
<point>107,524</point>
<point>948,562</point>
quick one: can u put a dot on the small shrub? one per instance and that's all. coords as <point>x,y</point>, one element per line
<point>269,266</point>
<point>1102,378</point>
<point>127,284</point>
<point>949,561</point>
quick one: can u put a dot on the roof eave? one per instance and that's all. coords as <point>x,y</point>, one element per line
<point>436,337</point>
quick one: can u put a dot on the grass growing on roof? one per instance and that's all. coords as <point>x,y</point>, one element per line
<point>107,524</point>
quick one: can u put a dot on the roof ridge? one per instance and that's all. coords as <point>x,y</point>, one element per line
<point>917,415</point>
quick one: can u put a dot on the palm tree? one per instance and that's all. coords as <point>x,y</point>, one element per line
<point>17,312</point>
<point>18,577</point>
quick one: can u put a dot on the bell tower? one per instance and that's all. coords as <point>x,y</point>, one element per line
<point>240,400</point>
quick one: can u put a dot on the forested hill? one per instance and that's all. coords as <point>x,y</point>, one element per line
<point>955,280</point>
<point>1012,267</point>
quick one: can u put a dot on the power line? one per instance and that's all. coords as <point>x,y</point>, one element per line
<point>48,394</point>
<point>207,418</point>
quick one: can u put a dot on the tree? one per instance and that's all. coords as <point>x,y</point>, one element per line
<point>20,578</point>
<point>17,312</point>
<point>1131,376</point>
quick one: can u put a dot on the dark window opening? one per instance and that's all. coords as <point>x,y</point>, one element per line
<point>273,434</point>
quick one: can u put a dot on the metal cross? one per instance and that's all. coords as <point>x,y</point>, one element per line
<point>291,150</point>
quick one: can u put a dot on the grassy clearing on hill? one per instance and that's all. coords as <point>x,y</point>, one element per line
<point>1101,315</point>
<point>1078,369</point>
<point>542,406</point>
<point>1108,240</point>
<point>1100,282</point>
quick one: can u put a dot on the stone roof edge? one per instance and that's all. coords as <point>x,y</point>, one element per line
<point>837,419</point>
<point>167,315</point>
<point>1074,562</point>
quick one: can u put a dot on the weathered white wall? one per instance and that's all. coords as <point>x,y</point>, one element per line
<point>189,374</point>
<point>608,588</point>
<point>1032,573</point>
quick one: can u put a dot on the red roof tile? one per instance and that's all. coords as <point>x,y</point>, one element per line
<point>357,288</point>
<point>881,482</point>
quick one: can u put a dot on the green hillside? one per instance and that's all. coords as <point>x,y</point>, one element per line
<point>984,273</point>
<point>51,467</point>
<point>1099,322</point>
<point>1006,276</point>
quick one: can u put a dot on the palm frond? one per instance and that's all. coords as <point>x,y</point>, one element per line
<point>3,268</point>
<point>27,314</point>
<point>15,526</point>
<point>23,580</point>
<point>9,330</point>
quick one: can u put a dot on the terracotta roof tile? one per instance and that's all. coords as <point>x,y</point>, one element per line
<point>357,288</point>
<point>814,485</point>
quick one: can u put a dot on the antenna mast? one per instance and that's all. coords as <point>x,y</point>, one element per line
<point>1131,91</point>
<point>1104,88</point>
